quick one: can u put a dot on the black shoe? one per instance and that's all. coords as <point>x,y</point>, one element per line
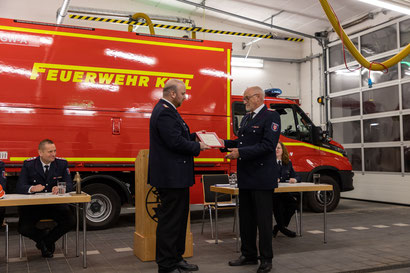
<point>184,266</point>
<point>264,267</point>
<point>242,260</point>
<point>275,231</point>
<point>288,232</point>
<point>44,251</point>
<point>176,270</point>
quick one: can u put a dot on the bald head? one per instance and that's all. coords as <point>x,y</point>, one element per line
<point>253,97</point>
<point>257,90</point>
<point>174,91</point>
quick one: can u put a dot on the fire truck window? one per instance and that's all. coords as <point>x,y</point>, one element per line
<point>238,111</point>
<point>287,122</point>
<point>304,128</point>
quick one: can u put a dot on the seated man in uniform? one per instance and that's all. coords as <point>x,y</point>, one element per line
<point>2,190</point>
<point>41,174</point>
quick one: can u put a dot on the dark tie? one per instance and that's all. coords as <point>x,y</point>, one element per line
<point>46,171</point>
<point>247,119</point>
<point>280,169</point>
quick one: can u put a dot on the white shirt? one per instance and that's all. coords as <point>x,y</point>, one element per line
<point>257,110</point>
<point>44,169</point>
<point>169,103</point>
<point>44,164</point>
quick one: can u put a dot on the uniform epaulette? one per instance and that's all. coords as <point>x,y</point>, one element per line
<point>31,158</point>
<point>166,106</point>
<point>272,110</point>
<point>61,158</point>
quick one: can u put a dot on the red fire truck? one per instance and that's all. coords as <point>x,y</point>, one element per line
<point>92,92</point>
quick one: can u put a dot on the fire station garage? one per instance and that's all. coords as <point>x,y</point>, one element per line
<point>113,114</point>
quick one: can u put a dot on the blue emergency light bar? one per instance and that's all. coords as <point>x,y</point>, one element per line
<point>273,92</point>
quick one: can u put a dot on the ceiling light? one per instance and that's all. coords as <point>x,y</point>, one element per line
<point>247,62</point>
<point>386,5</point>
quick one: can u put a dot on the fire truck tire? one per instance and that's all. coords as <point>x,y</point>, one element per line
<point>104,209</point>
<point>315,200</point>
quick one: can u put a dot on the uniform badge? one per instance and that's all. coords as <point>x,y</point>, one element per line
<point>68,171</point>
<point>3,173</point>
<point>255,126</point>
<point>275,127</point>
<point>166,106</point>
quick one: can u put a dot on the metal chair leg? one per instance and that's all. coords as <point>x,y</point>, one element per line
<point>203,220</point>
<point>234,222</point>
<point>64,244</point>
<point>297,222</point>
<point>7,242</point>
<point>210,220</point>
<point>21,246</point>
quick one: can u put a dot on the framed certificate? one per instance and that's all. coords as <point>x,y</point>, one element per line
<point>210,139</point>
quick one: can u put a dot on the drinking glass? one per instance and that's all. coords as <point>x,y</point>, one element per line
<point>61,188</point>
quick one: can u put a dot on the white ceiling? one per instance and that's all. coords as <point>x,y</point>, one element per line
<point>306,16</point>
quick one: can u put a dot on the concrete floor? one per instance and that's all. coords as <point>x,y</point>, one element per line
<point>362,237</point>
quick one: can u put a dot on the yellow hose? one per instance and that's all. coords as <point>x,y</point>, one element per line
<point>147,20</point>
<point>353,50</point>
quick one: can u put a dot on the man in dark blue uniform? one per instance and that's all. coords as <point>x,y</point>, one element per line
<point>171,172</point>
<point>257,177</point>
<point>2,190</point>
<point>41,174</point>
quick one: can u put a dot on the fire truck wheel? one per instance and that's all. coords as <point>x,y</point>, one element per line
<point>315,200</point>
<point>104,209</point>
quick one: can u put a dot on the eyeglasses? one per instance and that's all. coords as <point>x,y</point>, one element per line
<point>247,98</point>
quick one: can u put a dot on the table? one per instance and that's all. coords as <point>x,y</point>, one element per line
<point>232,191</point>
<point>283,187</point>
<point>11,200</point>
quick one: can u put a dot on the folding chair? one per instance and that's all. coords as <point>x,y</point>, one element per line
<point>224,201</point>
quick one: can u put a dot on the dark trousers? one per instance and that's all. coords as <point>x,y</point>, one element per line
<point>171,229</point>
<point>31,215</point>
<point>255,214</point>
<point>2,211</point>
<point>284,206</point>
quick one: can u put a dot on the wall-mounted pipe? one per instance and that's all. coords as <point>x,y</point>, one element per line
<point>200,5</point>
<point>136,16</point>
<point>62,12</point>
<point>127,14</point>
<point>352,48</point>
<point>283,60</point>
